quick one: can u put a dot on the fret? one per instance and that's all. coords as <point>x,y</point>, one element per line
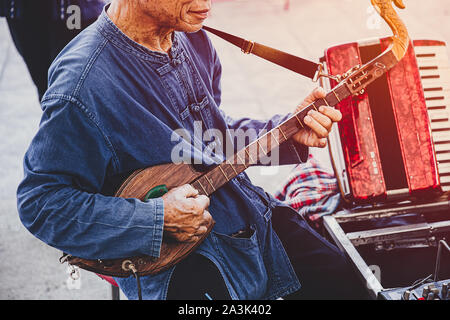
<point>264,151</point>
<point>232,166</point>
<point>339,100</point>
<point>249,156</point>
<point>242,161</point>
<point>223,172</point>
<point>296,116</point>
<point>275,137</point>
<point>314,106</point>
<point>343,92</point>
<point>335,96</point>
<point>201,186</point>
<point>281,130</point>
<point>269,143</point>
<point>210,182</point>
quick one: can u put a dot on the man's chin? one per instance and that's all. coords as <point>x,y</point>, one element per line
<point>190,28</point>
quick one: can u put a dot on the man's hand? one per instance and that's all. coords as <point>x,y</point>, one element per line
<point>185,215</point>
<point>320,122</point>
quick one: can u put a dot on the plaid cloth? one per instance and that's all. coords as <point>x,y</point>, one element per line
<point>312,190</point>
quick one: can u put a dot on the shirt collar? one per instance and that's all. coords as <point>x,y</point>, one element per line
<point>116,36</point>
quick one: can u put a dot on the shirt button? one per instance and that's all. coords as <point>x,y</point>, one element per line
<point>196,108</point>
<point>176,62</point>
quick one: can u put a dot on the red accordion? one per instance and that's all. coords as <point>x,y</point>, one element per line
<point>394,140</point>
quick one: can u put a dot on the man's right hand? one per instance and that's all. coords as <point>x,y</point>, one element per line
<point>185,215</point>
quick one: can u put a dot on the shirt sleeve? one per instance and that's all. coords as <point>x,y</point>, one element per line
<point>59,199</point>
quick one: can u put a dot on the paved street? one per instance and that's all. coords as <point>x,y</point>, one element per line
<point>251,87</point>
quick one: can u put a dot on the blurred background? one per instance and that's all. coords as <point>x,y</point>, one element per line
<point>29,269</point>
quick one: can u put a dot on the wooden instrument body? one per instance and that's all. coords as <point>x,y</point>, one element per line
<point>137,186</point>
<point>140,182</point>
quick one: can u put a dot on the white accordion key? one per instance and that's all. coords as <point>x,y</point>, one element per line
<point>434,68</point>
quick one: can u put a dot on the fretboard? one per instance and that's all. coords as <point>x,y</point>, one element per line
<point>259,149</point>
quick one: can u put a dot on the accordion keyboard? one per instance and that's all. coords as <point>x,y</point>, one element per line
<point>434,70</point>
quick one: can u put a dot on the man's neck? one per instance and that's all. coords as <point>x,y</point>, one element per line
<point>139,27</point>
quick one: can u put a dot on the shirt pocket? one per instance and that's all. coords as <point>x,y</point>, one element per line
<point>242,256</point>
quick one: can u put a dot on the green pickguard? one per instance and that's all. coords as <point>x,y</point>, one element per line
<point>156,192</point>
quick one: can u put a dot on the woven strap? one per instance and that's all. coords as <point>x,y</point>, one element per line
<point>298,65</point>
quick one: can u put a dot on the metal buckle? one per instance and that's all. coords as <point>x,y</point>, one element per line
<point>247,47</point>
<point>74,273</point>
<point>320,74</point>
<point>64,258</point>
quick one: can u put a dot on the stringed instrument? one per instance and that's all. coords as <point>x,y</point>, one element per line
<point>153,182</point>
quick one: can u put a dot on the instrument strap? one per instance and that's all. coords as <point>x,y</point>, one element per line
<point>296,64</point>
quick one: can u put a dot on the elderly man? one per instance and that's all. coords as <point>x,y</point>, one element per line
<point>116,95</point>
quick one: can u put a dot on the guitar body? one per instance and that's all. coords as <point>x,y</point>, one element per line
<point>141,182</point>
<point>139,185</point>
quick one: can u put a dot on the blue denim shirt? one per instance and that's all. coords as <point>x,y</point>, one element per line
<point>111,108</point>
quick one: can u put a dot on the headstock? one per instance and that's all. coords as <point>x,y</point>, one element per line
<point>388,13</point>
<point>359,77</point>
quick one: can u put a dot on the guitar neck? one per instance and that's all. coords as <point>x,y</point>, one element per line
<point>259,149</point>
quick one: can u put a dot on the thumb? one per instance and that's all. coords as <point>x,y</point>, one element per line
<point>188,191</point>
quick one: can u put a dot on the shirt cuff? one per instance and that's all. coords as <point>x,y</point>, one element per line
<point>153,208</point>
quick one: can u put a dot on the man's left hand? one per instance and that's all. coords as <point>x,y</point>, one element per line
<point>319,122</point>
